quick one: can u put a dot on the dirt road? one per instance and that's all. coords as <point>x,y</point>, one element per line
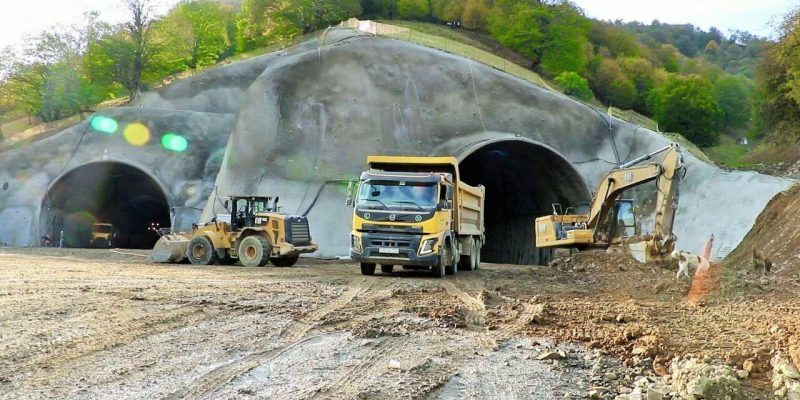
<point>96,324</point>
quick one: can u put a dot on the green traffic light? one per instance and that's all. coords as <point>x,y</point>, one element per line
<point>174,142</point>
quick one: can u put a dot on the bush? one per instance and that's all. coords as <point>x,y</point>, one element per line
<point>575,85</point>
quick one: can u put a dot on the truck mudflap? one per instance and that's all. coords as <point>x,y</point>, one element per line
<point>288,249</point>
<point>393,249</point>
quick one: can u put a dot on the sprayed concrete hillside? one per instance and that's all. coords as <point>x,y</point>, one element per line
<point>289,123</point>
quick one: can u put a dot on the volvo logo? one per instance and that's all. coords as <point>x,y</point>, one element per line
<point>366,215</point>
<point>418,218</point>
<point>392,217</point>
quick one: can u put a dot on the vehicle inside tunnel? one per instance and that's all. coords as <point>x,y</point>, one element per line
<point>98,194</point>
<point>522,179</point>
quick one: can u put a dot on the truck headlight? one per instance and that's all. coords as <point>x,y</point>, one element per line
<point>427,246</point>
<point>355,244</point>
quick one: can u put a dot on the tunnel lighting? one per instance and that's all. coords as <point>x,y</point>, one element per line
<point>104,124</point>
<point>137,134</point>
<point>174,142</point>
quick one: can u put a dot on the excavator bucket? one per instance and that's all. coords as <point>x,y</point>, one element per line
<point>170,248</point>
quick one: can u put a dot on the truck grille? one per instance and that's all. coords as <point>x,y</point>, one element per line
<point>298,233</point>
<point>391,243</point>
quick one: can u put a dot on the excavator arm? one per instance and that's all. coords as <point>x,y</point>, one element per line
<point>592,230</point>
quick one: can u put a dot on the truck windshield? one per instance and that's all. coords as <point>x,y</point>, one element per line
<point>102,228</point>
<point>397,194</point>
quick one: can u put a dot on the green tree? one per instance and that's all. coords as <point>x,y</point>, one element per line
<point>668,55</point>
<point>413,9</point>
<point>194,34</point>
<point>612,86</point>
<point>686,105</point>
<point>519,25</point>
<point>565,38</point>
<point>475,14</point>
<point>734,96</point>
<point>574,85</point>
<point>642,75</point>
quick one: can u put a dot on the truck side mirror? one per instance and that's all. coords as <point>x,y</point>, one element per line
<point>444,205</point>
<point>351,185</point>
<point>275,204</point>
<point>226,204</point>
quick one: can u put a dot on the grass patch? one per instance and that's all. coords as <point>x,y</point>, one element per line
<point>728,153</point>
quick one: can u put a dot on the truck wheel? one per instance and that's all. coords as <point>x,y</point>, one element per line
<point>451,266</point>
<point>387,269</point>
<point>476,258</point>
<point>254,251</point>
<point>201,251</point>
<point>367,269</point>
<point>284,261</point>
<point>440,269</point>
<point>467,262</point>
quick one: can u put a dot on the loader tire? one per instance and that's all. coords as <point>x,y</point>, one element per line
<point>284,261</point>
<point>254,251</point>
<point>201,251</point>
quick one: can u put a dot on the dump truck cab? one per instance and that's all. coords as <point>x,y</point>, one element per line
<point>102,235</point>
<point>406,213</point>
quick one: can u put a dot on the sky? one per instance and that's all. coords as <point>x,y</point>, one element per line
<point>20,17</point>
<point>754,16</point>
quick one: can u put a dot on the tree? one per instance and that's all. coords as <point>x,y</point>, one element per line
<point>642,75</point>
<point>574,85</point>
<point>413,9</point>
<point>686,105</point>
<point>519,26</point>
<point>125,55</point>
<point>475,14</point>
<point>565,38</point>
<point>194,34</point>
<point>733,94</point>
<point>668,56</point>
<point>612,86</point>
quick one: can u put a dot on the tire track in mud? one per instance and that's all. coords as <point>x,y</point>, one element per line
<point>475,314</point>
<point>292,336</point>
<point>105,339</point>
<point>346,383</point>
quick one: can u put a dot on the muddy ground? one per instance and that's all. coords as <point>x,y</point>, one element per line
<point>98,324</point>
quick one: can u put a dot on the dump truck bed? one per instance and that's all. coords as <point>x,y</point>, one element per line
<point>469,207</point>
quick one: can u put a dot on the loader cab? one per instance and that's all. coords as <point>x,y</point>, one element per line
<point>246,210</point>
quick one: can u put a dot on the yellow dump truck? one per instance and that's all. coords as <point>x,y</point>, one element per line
<point>102,235</point>
<point>415,212</point>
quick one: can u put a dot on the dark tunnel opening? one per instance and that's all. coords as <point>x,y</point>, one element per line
<point>105,192</point>
<point>522,179</point>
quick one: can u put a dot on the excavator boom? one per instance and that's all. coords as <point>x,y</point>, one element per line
<point>599,227</point>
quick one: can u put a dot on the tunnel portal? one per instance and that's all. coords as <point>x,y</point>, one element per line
<point>105,192</point>
<point>522,179</point>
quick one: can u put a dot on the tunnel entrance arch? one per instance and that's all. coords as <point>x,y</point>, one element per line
<point>105,192</point>
<point>523,178</point>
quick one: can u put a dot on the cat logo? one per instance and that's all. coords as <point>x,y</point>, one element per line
<point>392,217</point>
<point>629,177</point>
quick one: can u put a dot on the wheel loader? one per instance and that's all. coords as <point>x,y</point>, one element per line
<point>254,233</point>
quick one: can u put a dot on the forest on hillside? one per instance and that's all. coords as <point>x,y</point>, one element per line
<point>697,83</point>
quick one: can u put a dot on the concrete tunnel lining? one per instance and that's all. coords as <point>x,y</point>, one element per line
<point>523,178</point>
<point>107,191</point>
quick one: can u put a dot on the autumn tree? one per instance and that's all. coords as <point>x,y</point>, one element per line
<point>194,34</point>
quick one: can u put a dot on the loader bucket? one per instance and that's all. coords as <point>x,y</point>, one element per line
<point>170,248</point>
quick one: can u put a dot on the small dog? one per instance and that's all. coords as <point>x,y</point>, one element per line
<point>760,262</point>
<point>686,261</point>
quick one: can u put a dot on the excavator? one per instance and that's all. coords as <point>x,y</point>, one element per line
<point>609,218</point>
